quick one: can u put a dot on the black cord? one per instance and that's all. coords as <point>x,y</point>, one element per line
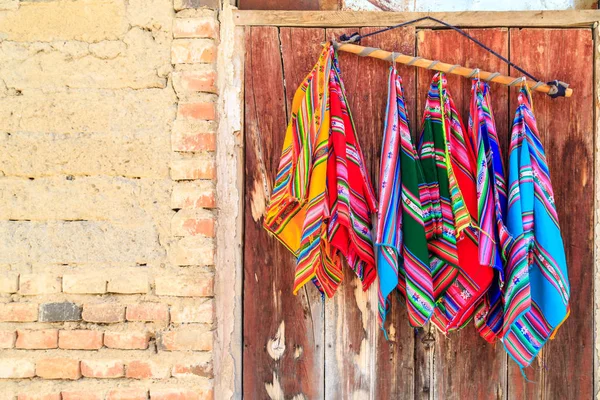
<point>355,38</point>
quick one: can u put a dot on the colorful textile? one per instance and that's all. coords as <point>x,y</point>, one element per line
<point>350,192</point>
<point>491,206</point>
<point>450,168</point>
<point>402,254</point>
<point>322,196</point>
<point>537,288</point>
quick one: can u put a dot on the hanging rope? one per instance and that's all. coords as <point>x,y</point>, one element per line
<point>558,88</point>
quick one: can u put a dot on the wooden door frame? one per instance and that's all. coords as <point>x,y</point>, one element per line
<point>230,150</point>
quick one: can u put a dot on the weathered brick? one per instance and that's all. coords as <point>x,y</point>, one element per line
<point>16,368</point>
<point>192,223</point>
<point>185,369</point>
<point>18,312</point>
<point>142,369</point>
<point>80,339</point>
<point>39,396</point>
<point>201,167</point>
<point>58,368</point>
<point>126,340</point>
<point>187,4</point>
<point>187,339</point>
<point>7,339</point>
<point>148,312</point>
<point>193,313</point>
<point>200,285</point>
<point>58,312</point>
<point>197,194</point>
<point>102,368</point>
<point>36,284</point>
<point>205,27</point>
<point>188,51</point>
<point>127,394</point>
<point>105,313</point>
<point>195,81</point>
<point>197,110</point>
<point>193,141</point>
<point>9,282</point>
<point>89,21</point>
<point>83,284</point>
<point>81,395</point>
<point>129,284</point>
<point>174,394</point>
<point>38,339</point>
<point>192,250</point>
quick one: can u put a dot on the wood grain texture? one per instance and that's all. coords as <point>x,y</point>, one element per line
<point>283,352</point>
<point>323,5</point>
<point>465,366</point>
<point>566,128</point>
<point>360,358</point>
<point>473,19</point>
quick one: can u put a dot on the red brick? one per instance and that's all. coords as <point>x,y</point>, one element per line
<point>58,368</point>
<point>174,394</point>
<point>195,81</point>
<point>18,312</point>
<point>190,51</point>
<point>197,111</point>
<point>193,168</point>
<point>187,339</point>
<point>198,194</point>
<point>148,312</point>
<point>84,284</point>
<point>193,223</point>
<point>103,313</point>
<point>36,284</point>
<point>102,368</point>
<point>200,285</point>
<point>127,394</point>
<point>36,396</point>
<point>146,370</point>
<point>81,395</point>
<point>195,28</point>
<point>183,370</point>
<point>39,339</point>
<point>80,339</point>
<point>193,313</point>
<point>195,141</point>
<point>126,340</point>
<point>7,339</point>
<point>12,368</point>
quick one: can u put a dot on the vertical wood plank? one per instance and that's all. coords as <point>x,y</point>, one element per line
<point>359,362</point>
<point>566,129</point>
<point>282,338</point>
<point>464,365</point>
<point>596,100</point>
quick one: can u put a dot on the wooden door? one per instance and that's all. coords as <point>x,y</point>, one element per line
<point>304,347</point>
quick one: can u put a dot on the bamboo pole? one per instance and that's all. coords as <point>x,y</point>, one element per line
<point>443,67</point>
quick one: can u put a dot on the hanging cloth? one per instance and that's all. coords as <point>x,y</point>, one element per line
<point>402,255</point>
<point>298,206</point>
<point>537,291</point>
<point>463,280</point>
<point>350,192</point>
<point>491,206</point>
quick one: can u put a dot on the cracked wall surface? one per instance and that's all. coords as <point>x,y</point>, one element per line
<point>107,199</point>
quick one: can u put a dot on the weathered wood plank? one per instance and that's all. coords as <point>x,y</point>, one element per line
<point>566,129</point>
<point>562,18</point>
<point>596,100</point>
<point>464,365</point>
<point>357,354</point>
<point>282,355</point>
<point>322,5</point>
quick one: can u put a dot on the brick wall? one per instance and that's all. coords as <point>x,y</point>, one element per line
<point>107,198</point>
